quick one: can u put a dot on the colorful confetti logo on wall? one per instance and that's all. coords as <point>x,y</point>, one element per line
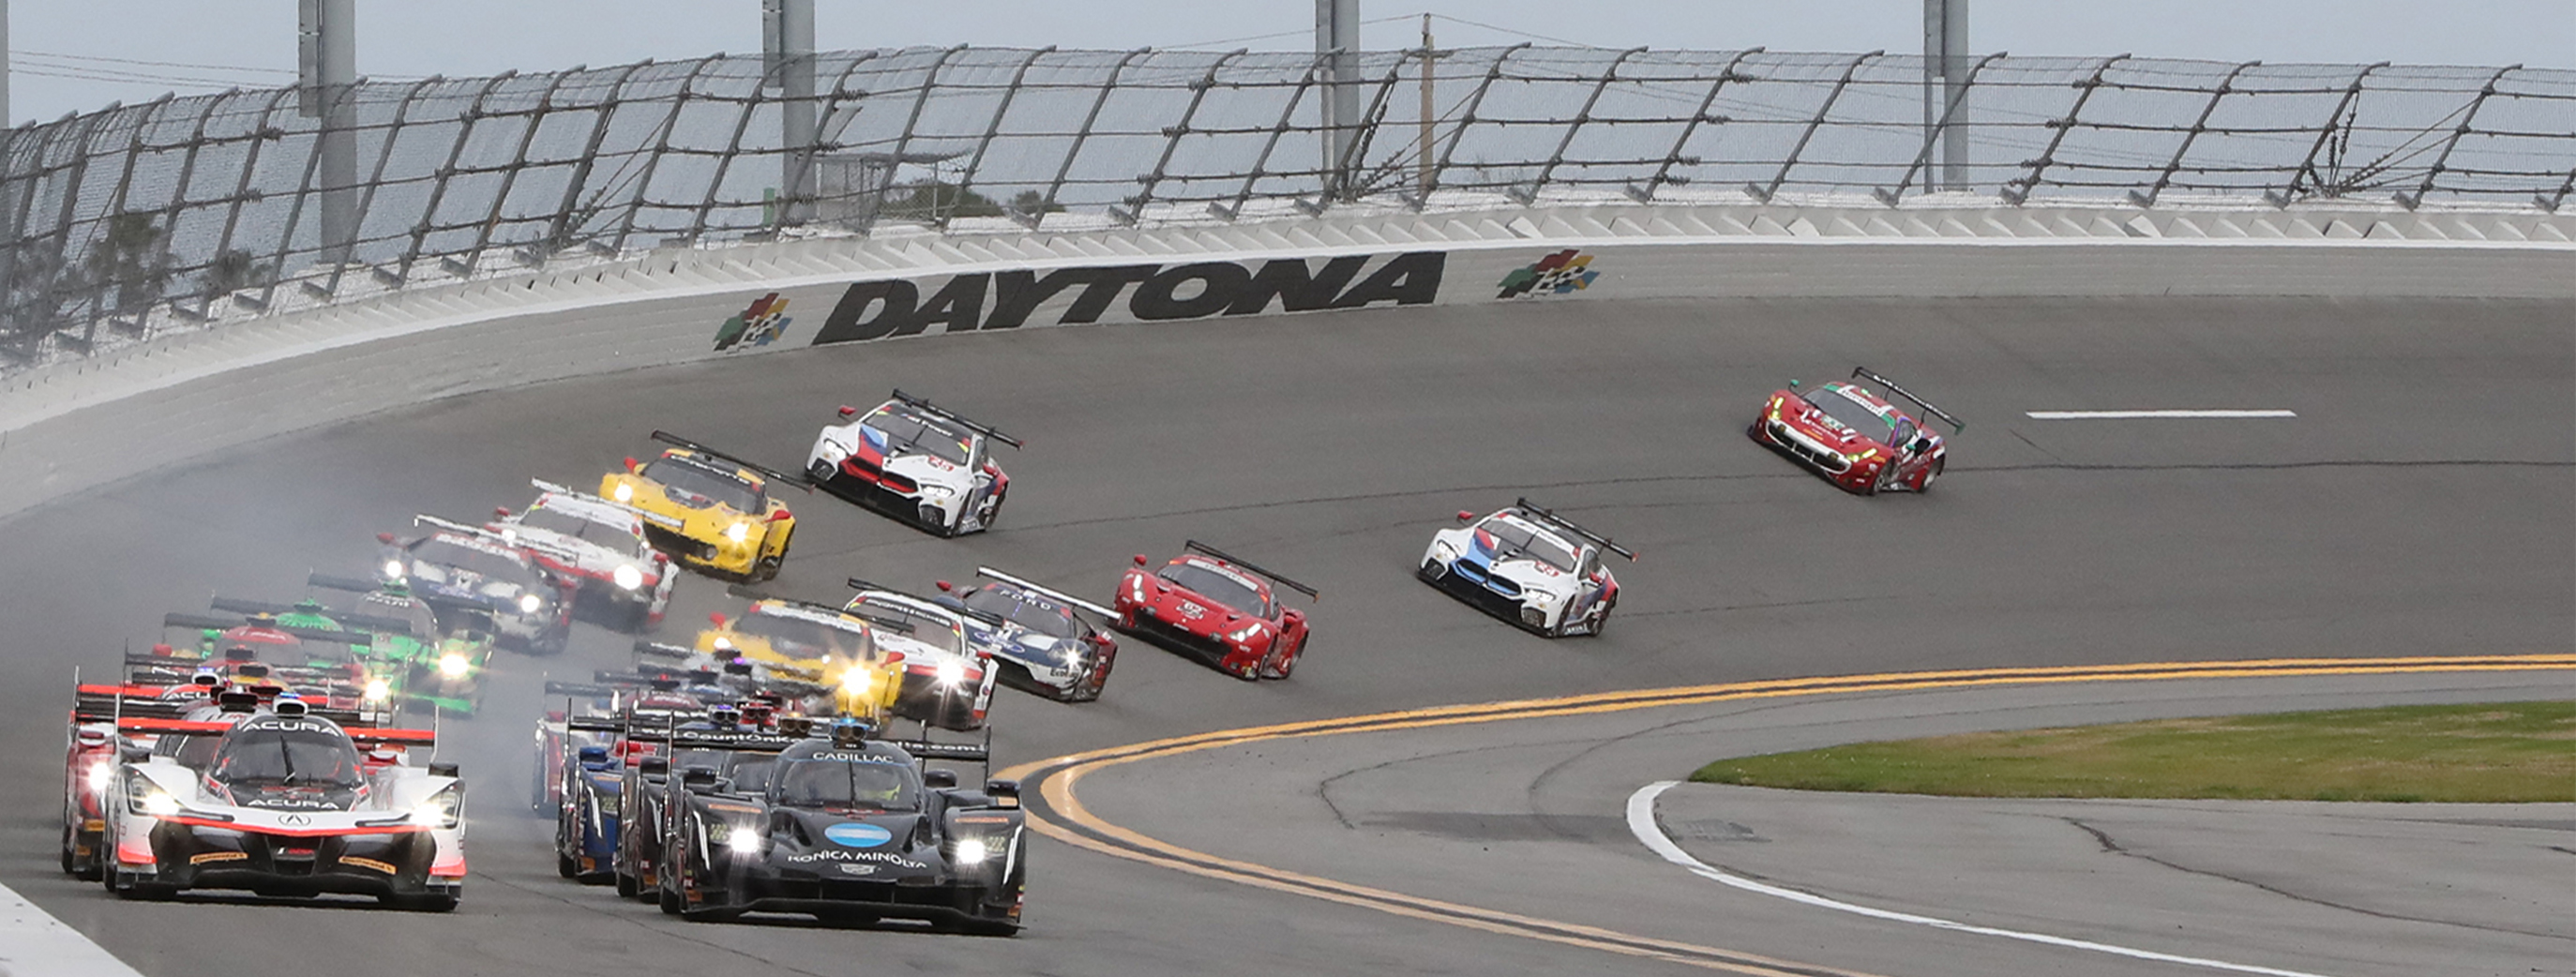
<point>1565,271</point>
<point>759,325</point>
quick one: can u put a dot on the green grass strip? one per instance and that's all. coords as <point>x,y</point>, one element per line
<point>2500,752</point>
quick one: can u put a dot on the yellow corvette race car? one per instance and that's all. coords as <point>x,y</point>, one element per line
<point>806,651</point>
<point>708,509</point>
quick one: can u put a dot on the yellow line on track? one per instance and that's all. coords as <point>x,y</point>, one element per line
<point>1058,776</point>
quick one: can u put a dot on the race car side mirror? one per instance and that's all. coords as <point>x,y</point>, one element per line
<point>630,463</point>
<point>1793,384</point>
<point>134,754</point>
<point>1140,559</point>
<point>944,586</point>
<point>716,618</point>
<point>385,538</point>
<point>939,779</point>
<point>782,515</point>
<point>1002,788</point>
<point>849,411</point>
<point>1464,515</point>
<point>442,768</point>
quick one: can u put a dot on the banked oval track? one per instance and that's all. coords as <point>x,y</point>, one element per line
<point>2419,505</point>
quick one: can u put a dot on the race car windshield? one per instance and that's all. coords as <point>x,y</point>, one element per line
<point>841,783</point>
<point>751,774</point>
<point>615,538</point>
<point>926,629</point>
<point>288,756</point>
<point>908,434</point>
<point>693,480</point>
<point>1514,541</point>
<point>482,563</point>
<point>1861,420</point>
<point>192,752</point>
<point>801,634</point>
<point>1044,620</point>
<point>1217,587</point>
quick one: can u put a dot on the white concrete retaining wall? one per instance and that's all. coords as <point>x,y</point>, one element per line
<point>71,427</point>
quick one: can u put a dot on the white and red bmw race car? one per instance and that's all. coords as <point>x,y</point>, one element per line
<point>914,461</point>
<point>599,546</point>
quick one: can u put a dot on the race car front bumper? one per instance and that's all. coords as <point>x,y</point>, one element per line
<point>1144,624</point>
<point>894,495</point>
<point>829,898</point>
<point>401,863</point>
<point>1488,594</point>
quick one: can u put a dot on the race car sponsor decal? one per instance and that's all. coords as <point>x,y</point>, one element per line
<point>1008,299</point>
<point>855,834</point>
<point>761,324</point>
<point>1557,274</point>
<point>863,857</point>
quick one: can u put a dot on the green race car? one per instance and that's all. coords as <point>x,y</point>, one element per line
<point>440,656</point>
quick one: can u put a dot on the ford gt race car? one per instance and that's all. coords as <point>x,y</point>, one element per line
<point>708,509</point>
<point>287,805</point>
<point>1218,607</point>
<point>914,461</point>
<point>1529,566</point>
<point>1854,437</point>
<point>843,827</point>
<point>474,574</point>
<point>620,578</point>
<point>1034,636</point>
<point>946,682</point>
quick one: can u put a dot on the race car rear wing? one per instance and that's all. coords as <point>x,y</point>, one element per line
<point>754,594</point>
<point>331,581</point>
<point>925,406</point>
<point>684,444</point>
<point>484,533</point>
<point>1549,516</point>
<point>1047,592</point>
<point>106,703</point>
<point>203,622</point>
<point>1957,426</point>
<point>711,739</point>
<point>361,735</point>
<point>354,622</point>
<point>1239,562</point>
<point>879,618</point>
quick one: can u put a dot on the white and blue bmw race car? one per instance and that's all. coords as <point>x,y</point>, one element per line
<point>1529,566</point>
<point>916,462</point>
<point>1032,632</point>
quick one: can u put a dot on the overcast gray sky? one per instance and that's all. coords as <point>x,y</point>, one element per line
<point>79,55</point>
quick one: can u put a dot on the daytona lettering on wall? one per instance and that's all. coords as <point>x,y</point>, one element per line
<point>1010,299</point>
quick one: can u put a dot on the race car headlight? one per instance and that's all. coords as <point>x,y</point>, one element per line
<point>452,665</point>
<point>98,775</point>
<point>1443,552</point>
<point>857,681</point>
<point>952,672</point>
<point>142,796</point>
<point>624,493</point>
<point>833,451</point>
<point>972,851</point>
<point>441,809</point>
<point>937,491</point>
<point>722,643</point>
<point>1244,633</point>
<point>627,577</point>
<point>742,841</point>
<point>378,690</point>
<point>1136,587</point>
<point>393,569</point>
<point>528,603</point>
<point>738,532</point>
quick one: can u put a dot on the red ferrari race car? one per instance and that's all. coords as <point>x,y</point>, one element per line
<point>1216,606</point>
<point>1854,437</point>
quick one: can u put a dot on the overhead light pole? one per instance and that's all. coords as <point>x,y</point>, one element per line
<point>326,88</point>
<point>1945,90</point>
<point>1337,45</point>
<point>787,49</point>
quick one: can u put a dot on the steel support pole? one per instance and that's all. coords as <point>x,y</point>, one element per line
<point>787,42</point>
<point>327,79</point>
<point>1337,41</point>
<point>4,65</point>
<point>1946,69</point>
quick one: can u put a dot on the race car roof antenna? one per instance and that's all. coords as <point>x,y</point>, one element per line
<point>1232,560</point>
<point>978,427</point>
<point>1548,515</point>
<point>1957,426</point>
<point>773,474</point>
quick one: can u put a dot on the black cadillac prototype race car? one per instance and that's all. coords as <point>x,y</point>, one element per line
<point>839,826</point>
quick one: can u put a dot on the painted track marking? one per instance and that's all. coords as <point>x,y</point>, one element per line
<point>1057,777</point>
<point>2126,415</point>
<point>35,944</point>
<point>1641,823</point>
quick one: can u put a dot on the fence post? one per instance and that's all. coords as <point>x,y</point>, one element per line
<point>447,173</point>
<point>376,178</point>
<point>2226,86</point>
<point>1663,172</point>
<point>162,257</point>
<point>1467,115</point>
<point>2308,169</point>
<point>1932,136</point>
<point>1582,116</point>
<point>661,147</point>
<point>536,118</point>
<point>1083,134</point>
<point>568,213</point>
<point>1764,194</point>
<point>966,180</point>
<point>2467,118</point>
<point>258,138</point>
<point>1261,163</point>
<point>2048,155</point>
<point>1172,136</point>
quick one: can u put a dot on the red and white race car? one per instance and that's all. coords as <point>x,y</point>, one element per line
<point>599,547</point>
<point>1854,437</point>
<point>1215,606</point>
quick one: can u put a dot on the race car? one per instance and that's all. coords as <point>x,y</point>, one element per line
<point>1033,635</point>
<point>96,745</point>
<point>314,655</point>
<point>1529,566</point>
<point>1854,437</point>
<point>714,740</point>
<point>708,509</point>
<point>469,574</point>
<point>575,711</point>
<point>843,827</point>
<point>439,662</point>
<point>915,461</point>
<point>586,824</point>
<point>1217,607</point>
<point>287,805</point>
<point>619,578</point>
<point>828,660</point>
<point>946,682</point>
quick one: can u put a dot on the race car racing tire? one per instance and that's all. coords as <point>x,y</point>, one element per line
<point>1884,480</point>
<point>566,867</point>
<point>1287,661</point>
<point>1937,465</point>
<point>988,927</point>
<point>766,569</point>
<point>68,864</point>
<point>420,904</point>
<point>626,888</point>
<point>668,900</point>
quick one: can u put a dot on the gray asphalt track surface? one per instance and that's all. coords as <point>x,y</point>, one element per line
<point>2423,502</point>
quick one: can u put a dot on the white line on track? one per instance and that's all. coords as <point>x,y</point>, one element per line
<point>1641,822</point>
<point>2130,415</point>
<point>35,944</point>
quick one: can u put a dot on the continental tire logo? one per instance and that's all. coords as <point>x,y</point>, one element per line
<point>1075,296</point>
